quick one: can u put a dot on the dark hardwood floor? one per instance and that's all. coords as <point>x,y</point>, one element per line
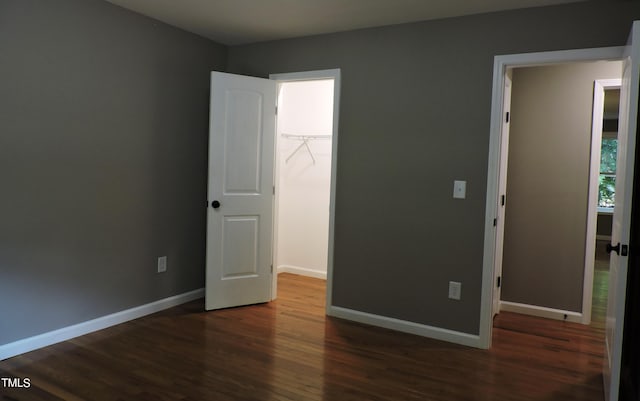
<point>289,350</point>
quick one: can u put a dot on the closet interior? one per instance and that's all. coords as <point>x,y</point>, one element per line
<point>303,176</point>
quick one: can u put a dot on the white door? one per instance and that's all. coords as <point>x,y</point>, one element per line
<point>622,213</point>
<point>502,188</point>
<point>240,191</point>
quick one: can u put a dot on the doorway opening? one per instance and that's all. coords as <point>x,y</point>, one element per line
<point>305,170</point>
<point>604,147</point>
<point>242,185</point>
<point>550,184</point>
<point>630,57</point>
<point>496,182</point>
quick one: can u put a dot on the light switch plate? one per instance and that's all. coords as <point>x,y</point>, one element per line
<point>459,189</point>
<point>162,264</point>
<point>455,290</point>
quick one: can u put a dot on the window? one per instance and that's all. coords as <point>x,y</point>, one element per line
<point>607,179</point>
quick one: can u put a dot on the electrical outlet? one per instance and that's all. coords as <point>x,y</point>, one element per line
<point>162,264</point>
<point>459,189</point>
<point>455,290</point>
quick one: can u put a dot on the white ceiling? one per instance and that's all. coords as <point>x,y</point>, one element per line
<point>233,22</point>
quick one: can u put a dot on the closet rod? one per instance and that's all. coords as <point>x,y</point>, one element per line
<point>305,142</point>
<point>298,136</point>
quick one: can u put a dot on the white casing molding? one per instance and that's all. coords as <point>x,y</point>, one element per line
<point>404,326</point>
<point>309,76</point>
<point>66,333</point>
<point>302,271</point>
<point>541,311</point>
<point>500,65</point>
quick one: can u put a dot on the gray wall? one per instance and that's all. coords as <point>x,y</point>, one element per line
<point>548,183</point>
<point>605,222</point>
<point>415,111</point>
<point>103,148</point>
<point>103,132</point>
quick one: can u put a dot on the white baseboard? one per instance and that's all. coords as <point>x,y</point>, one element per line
<point>66,333</point>
<point>302,271</point>
<point>404,326</point>
<point>541,311</point>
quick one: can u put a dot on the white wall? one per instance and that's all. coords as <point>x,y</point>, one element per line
<point>304,108</point>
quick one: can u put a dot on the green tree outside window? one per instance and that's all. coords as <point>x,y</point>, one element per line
<point>607,179</point>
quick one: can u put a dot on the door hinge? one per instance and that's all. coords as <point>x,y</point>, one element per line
<point>271,269</point>
<point>495,222</point>
<point>276,110</point>
<point>503,199</point>
<point>274,189</point>
<point>499,281</point>
<point>506,119</point>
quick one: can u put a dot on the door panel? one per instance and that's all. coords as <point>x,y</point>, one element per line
<point>620,234</point>
<point>239,229</point>
<point>242,141</point>
<point>240,246</point>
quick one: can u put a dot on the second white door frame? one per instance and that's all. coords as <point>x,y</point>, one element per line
<point>500,65</point>
<point>315,76</point>
<point>599,87</point>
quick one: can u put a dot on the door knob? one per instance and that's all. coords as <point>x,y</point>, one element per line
<point>613,248</point>
<point>215,204</point>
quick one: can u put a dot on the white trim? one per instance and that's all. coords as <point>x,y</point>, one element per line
<point>593,210</point>
<point>541,311</point>
<point>306,75</point>
<point>404,326</point>
<point>66,333</point>
<point>302,271</point>
<point>592,199</point>
<point>500,65</point>
<point>605,210</point>
<point>276,201</point>
<point>502,190</point>
<point>310,76</point>
<point>613,53</point>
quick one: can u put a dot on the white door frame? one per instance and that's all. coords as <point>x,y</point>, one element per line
<point>599,87</point>
<point>500,65</point>
<point>502,190</point>
<point>314,76</point>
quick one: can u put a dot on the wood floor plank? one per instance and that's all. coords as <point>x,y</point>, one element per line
<point>289,350</point>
